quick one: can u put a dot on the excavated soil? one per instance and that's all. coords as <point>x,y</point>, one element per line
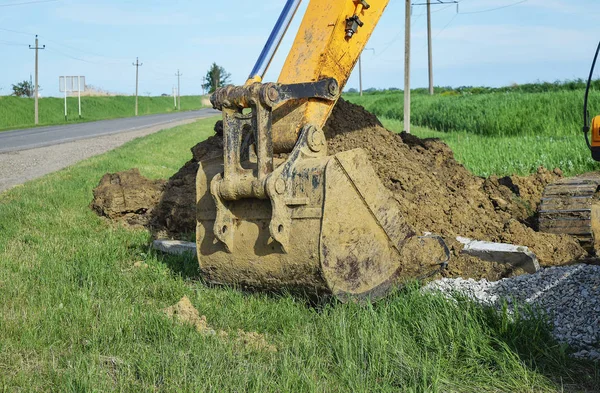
<point>127,196</point>
<point>185,312</point>
<point>435,192</point>
<point>175,214</point>
<point>439,195</point>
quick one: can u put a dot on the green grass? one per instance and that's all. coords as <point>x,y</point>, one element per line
<point>17,112</point>
<point>535,87</point>
<point>492,155</point>
<point>498,133</point>
<point>553,114</point>
<point>75,315</point>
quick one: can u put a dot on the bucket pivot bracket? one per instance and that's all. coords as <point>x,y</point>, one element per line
<point>248,149</point>
<point>292,186</point>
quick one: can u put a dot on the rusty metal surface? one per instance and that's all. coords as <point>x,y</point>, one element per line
<point>571,207</point>
<point>343,230</point>
<point>362,230</point>
<point>322,224</point>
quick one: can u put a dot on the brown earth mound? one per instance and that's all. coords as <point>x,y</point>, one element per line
<point>127,196</point>
<point>185,312</point>
<point>520,195</point>
<point>436,193</point>
<point>176,213</point>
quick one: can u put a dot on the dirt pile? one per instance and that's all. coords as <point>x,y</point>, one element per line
<point>347,117</point>
<point>185,313</point>
<point>436,193</point>
<point>127,196</point>
<point>520,195</point>
<point>176,212</point>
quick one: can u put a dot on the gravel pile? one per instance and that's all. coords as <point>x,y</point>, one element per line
<point>570,296</point>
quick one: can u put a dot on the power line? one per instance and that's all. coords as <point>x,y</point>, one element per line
<point>415,19</point>
<point>84,51</point>
<point>443,8</point>
<point>494,9</point>
<point>12,43</point>
<point>72,57</point>
<point>438,3</point>
<point>446,26</point>
<point>16,31</point>
<point>116,60</point>
<point>398,36</point>
<point>28,2</point>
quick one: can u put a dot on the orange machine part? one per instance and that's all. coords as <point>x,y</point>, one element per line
<point>596,131</point>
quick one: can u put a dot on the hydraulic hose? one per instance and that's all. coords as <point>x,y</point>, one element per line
<point>586,114</point>
<point>270,48</point>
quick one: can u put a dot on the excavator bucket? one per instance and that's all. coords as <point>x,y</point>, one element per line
<point>309,221</point>
<point>343,230</point>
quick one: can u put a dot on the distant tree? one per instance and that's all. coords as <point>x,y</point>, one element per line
<point>216,77</point>
<point>23,89</point>
<point>352,90</point>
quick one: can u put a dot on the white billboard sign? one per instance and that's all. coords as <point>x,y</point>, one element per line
<point>72,84</point>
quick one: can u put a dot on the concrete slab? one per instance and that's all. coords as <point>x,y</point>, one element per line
<point>174,247</point>
<point>517,256</point>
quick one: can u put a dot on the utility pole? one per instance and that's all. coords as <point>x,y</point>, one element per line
<point>429,37</point>
<point>35,90</point>
<point>430,49</point>
<point>137,65</point>
<point>360,69</point>
<point>178,75</point>
<point>360,74</point>
<point>407,67</point>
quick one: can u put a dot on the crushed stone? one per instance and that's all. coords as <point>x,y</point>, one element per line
<point>569,295</point>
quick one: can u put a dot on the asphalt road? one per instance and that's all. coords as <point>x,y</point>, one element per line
<point>30,138</point>
<point>31,153</point>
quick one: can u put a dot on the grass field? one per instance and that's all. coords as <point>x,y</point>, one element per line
<point>496,114</point>
<point>77,315</point>
<point>497,133</point>
<point>485,156</point>
<point>17,112</point>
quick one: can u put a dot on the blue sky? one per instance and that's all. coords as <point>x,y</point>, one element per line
<point>535,40</point>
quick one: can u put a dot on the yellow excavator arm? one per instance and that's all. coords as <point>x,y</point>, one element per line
<point>330,39</point>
